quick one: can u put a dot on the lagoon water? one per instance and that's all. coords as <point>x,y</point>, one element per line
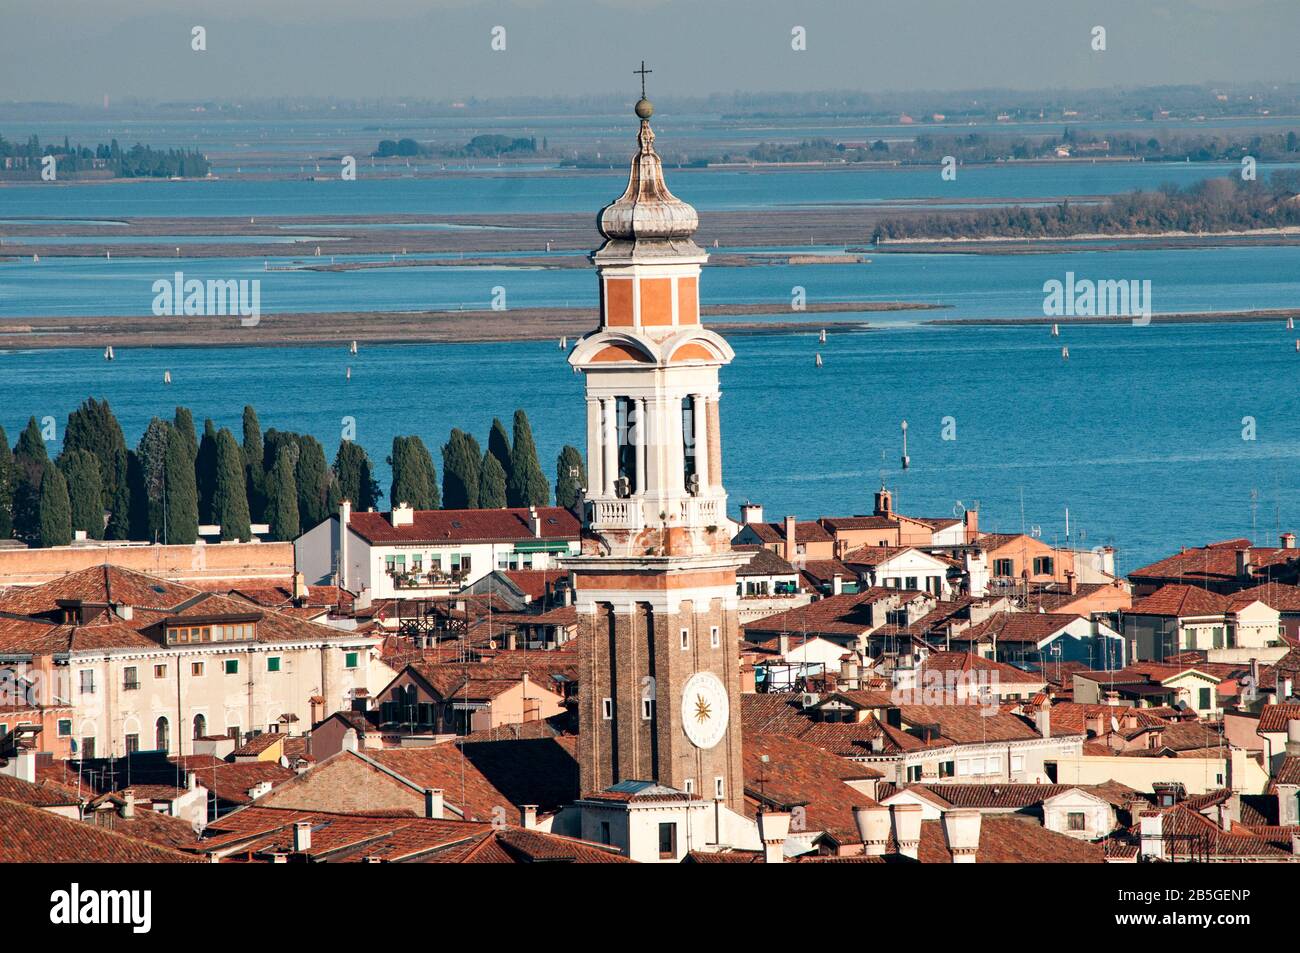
<point>1139,433</point>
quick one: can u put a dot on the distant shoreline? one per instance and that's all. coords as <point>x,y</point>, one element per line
<point>327,329</point>
<point>1257,316</point>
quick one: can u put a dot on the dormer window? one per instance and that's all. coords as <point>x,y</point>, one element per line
<point>208,631</point>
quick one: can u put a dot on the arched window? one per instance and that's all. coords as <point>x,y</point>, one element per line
<point>161,735</point>
<point>200,727</point>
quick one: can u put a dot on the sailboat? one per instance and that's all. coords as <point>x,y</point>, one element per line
<point>108,353</point>
<point>167,377</point>
<point>1056,330</point>
<point>819,360</point>
<point>352,349</point>
<point>564,344</point>
<point>1290,324</point>
<point>348,376</point>
<point>107,253</point>
<point>821,338</point>
<point>1065,353</point>
<point>36,259</point>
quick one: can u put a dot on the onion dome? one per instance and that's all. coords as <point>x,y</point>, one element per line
<point>647,210</point>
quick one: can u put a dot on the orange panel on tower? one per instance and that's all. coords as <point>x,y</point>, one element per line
<point>618,302</point>
<point>688,301</point>
<point>656,301</point>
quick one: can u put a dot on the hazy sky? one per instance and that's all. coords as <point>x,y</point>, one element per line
<point>79,50</point>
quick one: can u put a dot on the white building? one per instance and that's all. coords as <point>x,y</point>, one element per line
<point>420,553</point>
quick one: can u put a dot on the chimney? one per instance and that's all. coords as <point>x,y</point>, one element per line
<point>511,640</point>
<point>301,836</point>
<point>300,591</point>
<point>433,804</point>
<point>773,829</point>
<point>535,522</point>
<point>276,858</point>
<point>1287,540</point>
<point>783,645</point>
<point>350,740</point>
<point>191,780</point>
<point>1295,843</point>
<point>1153,841</point>
<point>873,827</point>
<point>791,547</point>
<point>125,613</point>
<point>1072,582</point>
<point>345,517</point>
<point>402,515</point>
<point>751,512</point>
<point>528,816</point>
<point>837,584</point>
<point>1095,726</point>
<point>849,675</point>
<point>26,764</point>
<point>1243,563</point>
<point>1043,719</point>
<point>961,828</point>
<point>884,503</point>
<point>1286,686</point>
<point>127,810</point>
<point>907,828</point>
<point>972,520</point>
<point>1293,737</point>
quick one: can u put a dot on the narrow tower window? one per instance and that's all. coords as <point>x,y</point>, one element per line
<point>628,425</point>
<point>688,440</point>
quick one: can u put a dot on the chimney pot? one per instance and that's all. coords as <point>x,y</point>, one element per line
<point>773,829</point>
<point>127,809</point>
<point>873,827</point>
<point>961,828</point>
<point>907,828</point>
<point>434,805</point>
<point>528,816</point>
<point>301,836</point>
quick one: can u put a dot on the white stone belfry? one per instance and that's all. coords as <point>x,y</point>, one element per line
<point>653,448</point>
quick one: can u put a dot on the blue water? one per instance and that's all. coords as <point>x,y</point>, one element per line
<point>969,286</point>
<point>1139,433</point>
<point>504,193</point>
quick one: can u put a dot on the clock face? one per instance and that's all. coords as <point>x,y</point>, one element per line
<point>705,709</point>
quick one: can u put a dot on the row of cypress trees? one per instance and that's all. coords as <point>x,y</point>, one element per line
<point>174,481</point>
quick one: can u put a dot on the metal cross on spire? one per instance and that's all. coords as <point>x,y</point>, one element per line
<point>642,71</point>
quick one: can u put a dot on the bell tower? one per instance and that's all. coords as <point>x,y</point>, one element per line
<point>655,586</point>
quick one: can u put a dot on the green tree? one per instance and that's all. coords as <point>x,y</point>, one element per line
<point>499,446</point>
<point>181,496</point>
<point>205,471</point>
<point>7,477</point>
<point>283,497</point>
<point>152,454</point>
<point>255,465</point>
<point>184,423</point>
<point>491,483</point>
<point>570,477</point>
<point>29,469</point>
<point>55,513</point>
<point>85,490</point>
<point>526,484</point>
<point>313,479</point>
<point>460,465</point>
<point>230,491</point>
<point>93,427</point>
<point>354,476</point>
<point>415,482</point>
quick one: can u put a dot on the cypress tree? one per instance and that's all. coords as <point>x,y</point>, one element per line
<point>182,498</point>
<point>283,497</point>
<point>460,477</point>
<point>492,483</point>
<point>80,469</point>
<point>205,471</point>
<point>184,423</point>
<point>55,513</point>
<point>312,478</point>
<point>230,491</point>
<point>526,484</point>
<point>29,469</point>
<point>415,481</point>
<point>570,477</point>
<point>255,464</point>
<point>93,427</point>
<point>6,487</point>
<point>354,476</point>
<point>152,453</point>
<point>499,446</point>
<point>138,507</point>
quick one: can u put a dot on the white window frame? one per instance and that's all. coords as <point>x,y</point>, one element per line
<point>607,709</point>
<point>715,636</point>
<point>686,639</point>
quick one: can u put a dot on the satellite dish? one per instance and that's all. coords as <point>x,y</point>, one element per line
<point>1114,723</point>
